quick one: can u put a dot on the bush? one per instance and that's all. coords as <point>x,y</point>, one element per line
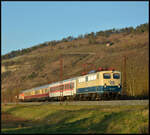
<point>10,63</point>
<point>5,74</point>
<point>32,75</point>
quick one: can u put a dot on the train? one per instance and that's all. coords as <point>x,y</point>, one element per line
<point>95,85</point>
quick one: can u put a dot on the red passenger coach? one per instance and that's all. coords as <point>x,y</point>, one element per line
<point>64,88</point>
<point>36,94</point>
<point>37,97</point>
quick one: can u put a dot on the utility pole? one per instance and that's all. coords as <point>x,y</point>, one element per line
<point>124,76</point>
<point>61,76</point>
<point>76,54</point>
<point>84,68</point>
<point>61,68</point>
<point>92,66</point>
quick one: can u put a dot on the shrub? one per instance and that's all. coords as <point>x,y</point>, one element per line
<point>5,74</point>
<point>32,75</point>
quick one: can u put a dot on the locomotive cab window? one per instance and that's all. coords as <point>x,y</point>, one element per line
<point>116,76</point>
<point>106,76</point>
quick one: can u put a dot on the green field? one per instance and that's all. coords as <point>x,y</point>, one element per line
<point>74,119</point>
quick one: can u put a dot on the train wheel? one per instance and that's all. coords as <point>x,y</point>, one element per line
<point>85,98</point>
<point>70,98</point>
<point>97,97</point>
<point>93,97</point>
<point>80,97</point>
<point>76,97</point>
<point>89,96</point>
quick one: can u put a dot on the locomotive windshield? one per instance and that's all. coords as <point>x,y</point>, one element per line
<point>116,76</point>
<point>106,76</point>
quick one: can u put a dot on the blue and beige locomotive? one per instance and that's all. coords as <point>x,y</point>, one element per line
<point>91,86</point>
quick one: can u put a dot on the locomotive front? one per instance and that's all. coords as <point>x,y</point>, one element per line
<point>111,82</point>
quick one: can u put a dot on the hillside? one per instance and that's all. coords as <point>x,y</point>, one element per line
<point>41,65</point>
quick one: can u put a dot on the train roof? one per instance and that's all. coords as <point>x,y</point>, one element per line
<point>37,88</point>
<point>111,71</point>
<point>48,85</point>
<point>92,73</point>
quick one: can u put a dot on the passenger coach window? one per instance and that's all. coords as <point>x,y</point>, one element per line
<point>86,78</point>
<point>116,76</point>
<point>106,76</point>
<point>71,85</point>
<point>67,86</point>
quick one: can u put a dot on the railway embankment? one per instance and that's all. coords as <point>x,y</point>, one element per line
<point>79,119</point>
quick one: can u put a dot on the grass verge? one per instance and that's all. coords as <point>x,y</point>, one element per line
<point>73,119</point>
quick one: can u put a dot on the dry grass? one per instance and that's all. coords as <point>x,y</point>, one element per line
<point>3,69</point>
<point>134,46</point>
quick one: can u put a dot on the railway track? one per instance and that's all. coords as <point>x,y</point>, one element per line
<point>111,103</point>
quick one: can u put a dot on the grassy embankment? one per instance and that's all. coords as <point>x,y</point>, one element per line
<point>74,119</point>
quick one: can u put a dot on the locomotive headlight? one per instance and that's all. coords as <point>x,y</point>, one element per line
<point>105,85</point>
<point>119,86</point>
